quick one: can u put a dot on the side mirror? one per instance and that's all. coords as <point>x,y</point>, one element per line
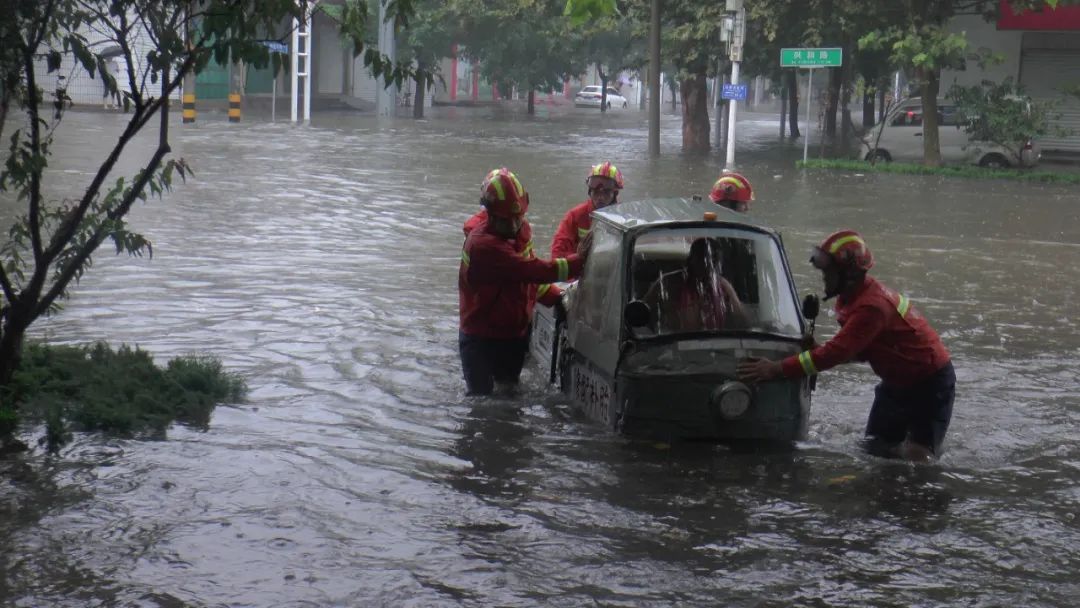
<point>637,314</point>
<point>811,306</point>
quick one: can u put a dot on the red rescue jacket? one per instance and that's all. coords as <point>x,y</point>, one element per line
<point>500,280</point>
<point>574,226</point>
<point>882,327</point>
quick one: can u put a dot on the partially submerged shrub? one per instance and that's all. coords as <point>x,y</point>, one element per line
<point>94,388</point>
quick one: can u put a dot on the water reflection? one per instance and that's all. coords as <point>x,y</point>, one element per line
<point>495,441</point>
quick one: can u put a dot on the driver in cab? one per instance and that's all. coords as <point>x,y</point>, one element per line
<point>696,298</point>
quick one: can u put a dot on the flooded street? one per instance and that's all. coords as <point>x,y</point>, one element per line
<point>320,263</point>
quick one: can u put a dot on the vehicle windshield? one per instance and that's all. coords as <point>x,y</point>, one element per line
<point>712,279</point>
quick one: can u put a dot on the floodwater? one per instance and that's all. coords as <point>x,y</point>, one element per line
<point>320,263</point>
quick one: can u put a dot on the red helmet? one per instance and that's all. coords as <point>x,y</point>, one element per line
<point>844,248</point>
<point>503,194</point>
<point>605,170</point>
<point>732,187</point>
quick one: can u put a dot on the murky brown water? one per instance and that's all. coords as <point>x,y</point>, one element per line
<point>321,264</point>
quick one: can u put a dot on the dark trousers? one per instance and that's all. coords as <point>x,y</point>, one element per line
<point>919,413</point>
<point>485,361</point>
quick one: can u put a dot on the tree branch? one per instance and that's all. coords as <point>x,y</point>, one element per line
<point>32,108</point>
<point>5,283</point>
<point>91,245</point>
<point>88,248</point>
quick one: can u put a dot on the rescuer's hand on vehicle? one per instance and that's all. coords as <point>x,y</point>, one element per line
<point>585,244</point>
<point>560,310</point>
<point>758,370</point>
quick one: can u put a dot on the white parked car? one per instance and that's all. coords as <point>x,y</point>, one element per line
<point>589,97</point>
<point>902,140</point>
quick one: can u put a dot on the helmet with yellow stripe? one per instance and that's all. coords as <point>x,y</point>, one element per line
<point>845,250</point>
<point>503,195</point>
<point>604,172</point>
<point>732,187</point>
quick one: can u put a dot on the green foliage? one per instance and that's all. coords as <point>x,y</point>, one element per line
<point>523,43</point>
<point>951,171</point>
<point>930,47</point>
<point>429,38</point>
<point>613,44</point>
<point>582,11</point>
<point>1000,113</point>
<point>96,388</point>
<point>690,34</point>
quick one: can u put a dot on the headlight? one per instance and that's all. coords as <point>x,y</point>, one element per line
<point>732,399</point>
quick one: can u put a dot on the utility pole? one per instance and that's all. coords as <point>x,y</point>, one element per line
<point>654,81</point>
<point>737,37</point>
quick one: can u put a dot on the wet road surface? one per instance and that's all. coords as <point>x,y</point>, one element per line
<point>320,263</point>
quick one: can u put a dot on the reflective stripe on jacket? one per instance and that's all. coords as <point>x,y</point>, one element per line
<point>574,226</point>
<point>880,326</point>
<point>500,280</point>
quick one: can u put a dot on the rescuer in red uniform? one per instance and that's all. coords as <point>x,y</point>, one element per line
<point>733,191</point>
<point>913,403</point>
<point>604,182</point>
<point>499,281</point>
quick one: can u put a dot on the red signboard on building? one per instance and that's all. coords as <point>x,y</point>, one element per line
<point>1063,18</point>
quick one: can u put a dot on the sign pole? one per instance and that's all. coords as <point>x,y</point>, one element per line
<point>738,37</point>
<point>732,103</point>
<point>809,98</point>
<point>810,59</point>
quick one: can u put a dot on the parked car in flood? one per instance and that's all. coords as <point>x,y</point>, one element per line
<point>627,359</point>
<point>589,97</point>
<point>901,139</point>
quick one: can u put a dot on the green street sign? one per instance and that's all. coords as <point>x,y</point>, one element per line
<point>811,58</point>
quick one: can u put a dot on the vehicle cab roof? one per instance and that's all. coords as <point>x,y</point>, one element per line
<point>638,215</point>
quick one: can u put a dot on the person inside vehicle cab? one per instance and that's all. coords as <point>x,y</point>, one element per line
<point>697,297</point>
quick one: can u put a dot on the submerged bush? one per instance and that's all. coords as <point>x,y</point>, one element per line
<point>94,388</point>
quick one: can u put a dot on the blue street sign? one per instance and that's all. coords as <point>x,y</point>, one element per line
<point>734,91</point>
<point>275,46</point>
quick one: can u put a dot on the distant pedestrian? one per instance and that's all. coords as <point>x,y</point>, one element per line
<point>913,403</point>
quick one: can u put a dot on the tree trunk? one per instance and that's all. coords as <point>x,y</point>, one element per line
<point>882,85</point>
<point>11,347</point>
<point>868,109</point>
<point>418,95</point>
<point>532,102</point>
<point>793,102</point>
<point>783,111</point>
<point>832,100</point>
<point>603,87</point>
<point>695,115</point>
<point>929,83</point>
<point>846,126</point>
